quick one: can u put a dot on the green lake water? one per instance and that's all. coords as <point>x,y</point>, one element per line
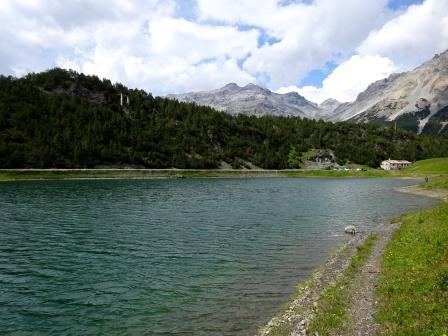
<point>172,257</point>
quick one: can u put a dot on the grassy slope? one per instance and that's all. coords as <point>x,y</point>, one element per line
<point>430,166</point>
<point>413,288</point>
<point>435,169</point>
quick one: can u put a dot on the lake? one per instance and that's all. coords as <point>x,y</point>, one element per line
<point>172,257</point>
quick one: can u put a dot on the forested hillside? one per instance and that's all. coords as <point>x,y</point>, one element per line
<point>64,119</point>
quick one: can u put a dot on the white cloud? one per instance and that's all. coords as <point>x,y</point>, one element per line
<point>35,33</point>
<point>348,79</point>
<point>145,44</point>
<point>402,43</point>
<point>413,37</point>
<point>140,43</point>
<point>174,55</point>
<point>309,34</point>
<point>195,42</point>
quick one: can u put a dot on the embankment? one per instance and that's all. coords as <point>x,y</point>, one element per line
<point>340,298</point>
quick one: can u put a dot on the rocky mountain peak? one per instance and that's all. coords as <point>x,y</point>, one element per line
<point>330,101</point>
<point>414,99</point>
<point>231,86</point>
<point>328,106</point>
<point>252,99</point>
<point>411,99</point>
<point>293,94</point>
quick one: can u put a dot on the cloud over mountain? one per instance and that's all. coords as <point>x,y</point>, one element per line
<point>178,46</point>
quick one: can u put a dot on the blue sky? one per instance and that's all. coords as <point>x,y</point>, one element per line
<point>399,4</point>
<point>319,48</point>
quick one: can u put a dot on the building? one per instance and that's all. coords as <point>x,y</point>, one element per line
<point>394,164</point>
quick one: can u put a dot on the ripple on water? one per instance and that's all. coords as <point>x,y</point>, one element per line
<point>188,257</point>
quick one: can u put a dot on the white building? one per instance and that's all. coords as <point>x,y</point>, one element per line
<point>394,164</point>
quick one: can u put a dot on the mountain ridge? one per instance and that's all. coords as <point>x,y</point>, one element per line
<point>252,99</point>
<point>416,100</point>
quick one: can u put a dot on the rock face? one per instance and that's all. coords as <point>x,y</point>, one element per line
<point>253,100</point>
<point>416,100</point>
<point>328,107</point>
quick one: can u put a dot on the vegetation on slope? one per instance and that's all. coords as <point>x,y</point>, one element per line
<point>63,119</point>
<point>436,169</point>
<point>429,166</point>
<point>413,288</point>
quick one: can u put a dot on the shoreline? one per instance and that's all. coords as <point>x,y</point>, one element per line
<point>303,305</point>
<point>417,190</point>
<point>80,174</point>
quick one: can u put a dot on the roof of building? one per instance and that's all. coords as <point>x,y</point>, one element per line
<point>396,161</point>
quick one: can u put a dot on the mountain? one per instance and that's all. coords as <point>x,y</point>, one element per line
<point>416,100</point>
<point>328,107</point>
<point>252,100</point>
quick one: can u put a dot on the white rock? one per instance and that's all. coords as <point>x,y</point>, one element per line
<point>351,229</point>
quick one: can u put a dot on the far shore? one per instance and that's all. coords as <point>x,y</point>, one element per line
<point>124,173</point>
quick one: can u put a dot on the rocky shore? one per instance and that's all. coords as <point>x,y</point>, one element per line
<point>300,312</point>
<point>304,306</point>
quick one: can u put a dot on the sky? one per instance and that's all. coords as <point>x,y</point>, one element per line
<point>320,48</point>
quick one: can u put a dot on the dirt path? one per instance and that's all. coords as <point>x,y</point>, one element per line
<point>302,309</point>
<point>361,321</point>
<point>361,312</point>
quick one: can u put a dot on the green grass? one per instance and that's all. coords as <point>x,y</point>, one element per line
<point>7,175</point>
<point>333,304</point>
<point>413,288</point>
<point>436,182</point>
<point>435,169</point>
<point>430,166</point>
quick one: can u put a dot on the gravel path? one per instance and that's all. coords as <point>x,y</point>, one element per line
<point>361,312</point>
<point>361,321</point>
<point>303,308</point>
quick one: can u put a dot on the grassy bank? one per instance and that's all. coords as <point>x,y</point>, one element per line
<point>55,174</point>
<point>436,170</point>
<point>413,288</point>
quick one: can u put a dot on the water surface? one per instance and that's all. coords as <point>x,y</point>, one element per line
<point>172,257</point>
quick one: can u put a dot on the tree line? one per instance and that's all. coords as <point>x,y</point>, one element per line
<point>63,119</point>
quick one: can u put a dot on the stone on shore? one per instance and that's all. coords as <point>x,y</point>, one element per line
<point>351,229</point>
